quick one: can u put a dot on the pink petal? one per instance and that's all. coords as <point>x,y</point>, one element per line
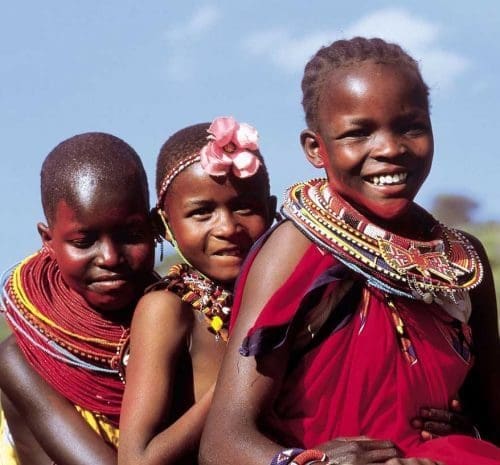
<point>214,163</point>
<point>245,164</point>
<point>223,129</point>
<point>247,137</point>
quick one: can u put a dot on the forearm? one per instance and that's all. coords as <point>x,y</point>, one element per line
<point>178,443</point>
<point>54,422</point>
<point>238,442</point>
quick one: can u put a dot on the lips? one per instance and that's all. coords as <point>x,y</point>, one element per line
<point>229,252</point>
<point>108,283</point>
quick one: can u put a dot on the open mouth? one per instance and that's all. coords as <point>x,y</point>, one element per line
<point>387,179</point>
<point>236,252</point>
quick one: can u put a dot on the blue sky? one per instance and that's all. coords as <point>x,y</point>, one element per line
<point>142,70</point>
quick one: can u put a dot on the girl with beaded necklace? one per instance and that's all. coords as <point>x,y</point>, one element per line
<point>213,203</point>
<point>70,304</point>
<point>360,309</point>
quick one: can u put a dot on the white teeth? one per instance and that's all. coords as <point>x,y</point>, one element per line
<point>389,179</point>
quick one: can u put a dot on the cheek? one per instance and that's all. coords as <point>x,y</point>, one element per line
<point>141,256</point>
<point>256,227</point>
<point>71,263</point>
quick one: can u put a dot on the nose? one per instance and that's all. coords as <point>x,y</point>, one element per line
<point>387,144</point>
<point>109,253</point>
<point>227,224</point>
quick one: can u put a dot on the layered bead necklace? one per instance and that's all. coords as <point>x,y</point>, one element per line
<point>427,270</point>
<point>72,346</point>
<point>212,301</point>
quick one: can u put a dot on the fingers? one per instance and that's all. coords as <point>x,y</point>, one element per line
<point>361,450</point>
<point>413,461</point>
<point>434,428</point>
<point>442,422</point>
<point>437,415</point>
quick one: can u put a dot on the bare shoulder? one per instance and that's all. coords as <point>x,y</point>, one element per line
<point>280,253</point>
<point>161,305</point>
<point>12,360</point>
<point>160,309</point>
<point>273,265</point>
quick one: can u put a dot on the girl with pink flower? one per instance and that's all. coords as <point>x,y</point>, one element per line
<point>213,203</point>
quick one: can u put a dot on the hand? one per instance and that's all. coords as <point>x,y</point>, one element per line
<point>437,422</point>
<point>359,450</point>
<point>413,461</point>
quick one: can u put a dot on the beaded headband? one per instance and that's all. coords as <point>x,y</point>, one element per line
<point>228,149</point>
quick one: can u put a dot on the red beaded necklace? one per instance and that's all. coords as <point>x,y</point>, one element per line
<point>72,346</point>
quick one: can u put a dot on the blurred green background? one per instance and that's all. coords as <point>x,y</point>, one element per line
<point>453,210</point>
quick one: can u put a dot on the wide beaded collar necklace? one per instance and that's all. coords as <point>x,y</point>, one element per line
<point>443,268</point>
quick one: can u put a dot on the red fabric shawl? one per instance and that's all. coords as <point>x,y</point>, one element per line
<point>358,380</point>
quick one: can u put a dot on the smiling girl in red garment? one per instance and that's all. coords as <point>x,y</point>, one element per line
<point>357,312</point>
<point>214,202</point>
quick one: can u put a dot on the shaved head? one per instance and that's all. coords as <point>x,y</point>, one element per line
<point>88,165</point>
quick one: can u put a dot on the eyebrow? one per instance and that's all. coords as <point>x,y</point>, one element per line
<point>196,202</point>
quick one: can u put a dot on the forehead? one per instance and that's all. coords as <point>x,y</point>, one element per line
<point>195,183</point>
<point>89,205</point>
<point>369,84</point>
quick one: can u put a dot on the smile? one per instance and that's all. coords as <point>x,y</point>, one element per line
<point>108,283</point>
<point>387,179</point>
<point>233,252</point>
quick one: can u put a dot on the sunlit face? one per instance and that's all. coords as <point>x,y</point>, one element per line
<point>103,247</point>
<point>375,137</point>
<point>215,221</point>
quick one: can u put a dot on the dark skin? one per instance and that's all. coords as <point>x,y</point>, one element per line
<point>171,373</point>
<point>375,144</point>
<point>103,244</point>
<point>53,421</point>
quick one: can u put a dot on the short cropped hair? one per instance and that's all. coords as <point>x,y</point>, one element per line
<point>344,53</point>
<point>109,160</point>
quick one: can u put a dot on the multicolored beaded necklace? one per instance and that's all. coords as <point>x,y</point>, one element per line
<point>73,347</point>
<point>427,270</point>
<point>212,301</point>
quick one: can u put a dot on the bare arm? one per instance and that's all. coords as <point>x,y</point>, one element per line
<point>57,426</point>
<point>159,335</point>
<point>480,392</point>
<point>247,386</point>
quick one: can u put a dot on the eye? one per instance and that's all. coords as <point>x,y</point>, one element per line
<point>247,207</point>
<point>132,235</point>
<point>83,242</point>
<point>200,213</point>
<point>416,129</point>
<point>355,133</point>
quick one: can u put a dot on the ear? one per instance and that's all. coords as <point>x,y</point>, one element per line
<point>46,235</point>
<point>272,202</point>
<point>162,224</point>
<point>311,144</point>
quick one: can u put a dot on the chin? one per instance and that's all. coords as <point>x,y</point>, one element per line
<point>112,305</point>
<point>387,211</point>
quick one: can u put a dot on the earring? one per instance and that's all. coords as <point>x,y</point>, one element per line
<point>167,233</point>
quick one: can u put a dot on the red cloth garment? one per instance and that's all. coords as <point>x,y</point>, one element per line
<point>378,365</point>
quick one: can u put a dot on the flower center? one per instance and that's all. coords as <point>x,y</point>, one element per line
<point>229,147</point>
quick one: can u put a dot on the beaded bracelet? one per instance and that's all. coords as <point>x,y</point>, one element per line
<point>309,455</point>
<point>285,456</point>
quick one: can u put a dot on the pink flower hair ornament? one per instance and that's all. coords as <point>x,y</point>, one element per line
<point>229,148</point>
